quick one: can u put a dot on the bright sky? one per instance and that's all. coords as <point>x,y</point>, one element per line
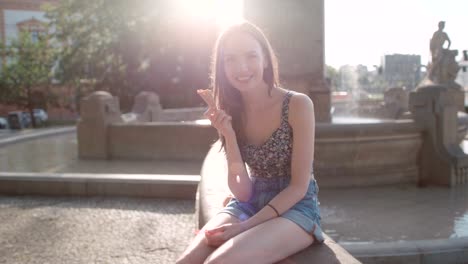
<point>361,31</point>
<point>225,12</point>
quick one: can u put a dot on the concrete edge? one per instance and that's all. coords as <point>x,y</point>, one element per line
<point>416,248</point>
<point>101,177</point>
<point>34,135</point>
<point>83,184</point>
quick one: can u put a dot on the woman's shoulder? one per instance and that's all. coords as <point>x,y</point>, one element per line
<point>299,100</point>
<point>300,106</point>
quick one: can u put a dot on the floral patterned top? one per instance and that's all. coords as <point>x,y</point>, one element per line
<point>272,159</point>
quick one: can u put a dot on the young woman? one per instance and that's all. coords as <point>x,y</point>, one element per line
<point>274,210</point>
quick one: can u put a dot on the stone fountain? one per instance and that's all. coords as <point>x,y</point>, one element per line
<point>420,149</point>
<point>347,154</point>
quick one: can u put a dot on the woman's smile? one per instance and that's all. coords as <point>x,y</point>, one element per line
<point>244,79</point>
<point>244,62</point>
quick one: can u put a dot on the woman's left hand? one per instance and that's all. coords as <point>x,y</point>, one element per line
<point>218,235</point>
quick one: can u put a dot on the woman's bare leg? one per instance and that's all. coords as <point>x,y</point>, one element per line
<point>268,242</point>
<point>198,250</point>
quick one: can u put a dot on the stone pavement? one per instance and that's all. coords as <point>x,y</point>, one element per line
<point>94,230</point>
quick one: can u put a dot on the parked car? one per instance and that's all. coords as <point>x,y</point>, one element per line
<point>3,123</point>
<point>18,120</point>
<point>40,115</point>
<point>27,118</point>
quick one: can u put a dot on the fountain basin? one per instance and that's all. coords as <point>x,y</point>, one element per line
<point>346,154</point>
<point>367,154</point>
<point>160,141</point>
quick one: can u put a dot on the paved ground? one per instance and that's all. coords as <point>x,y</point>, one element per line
<point>94,230</point>
<point>89,230</point>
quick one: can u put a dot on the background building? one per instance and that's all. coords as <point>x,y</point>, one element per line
<point>401,70</point>
<point>28,15</point>
<point>17,15</point>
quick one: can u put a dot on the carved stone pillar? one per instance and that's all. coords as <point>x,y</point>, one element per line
<point>296,32</point>
<point>98,111</point>
<point>442,160</point>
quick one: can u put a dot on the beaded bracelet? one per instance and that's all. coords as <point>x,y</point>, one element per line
<point>274,209</point>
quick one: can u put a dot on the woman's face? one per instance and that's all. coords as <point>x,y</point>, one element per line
<point>244,62</point>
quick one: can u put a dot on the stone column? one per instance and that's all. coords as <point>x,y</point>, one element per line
<point>296,32</point>
<point>442,160</point>
<point>98,111</point>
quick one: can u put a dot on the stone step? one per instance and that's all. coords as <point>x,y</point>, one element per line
<point>83,184</point>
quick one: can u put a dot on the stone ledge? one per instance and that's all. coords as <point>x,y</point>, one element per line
<point>452,250</point>
<point>81,184</point>
<point>212,190</point>
<point>21,137</point>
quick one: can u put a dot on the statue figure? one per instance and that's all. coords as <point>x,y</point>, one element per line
<point>443,68</point>
<point>438,40</point>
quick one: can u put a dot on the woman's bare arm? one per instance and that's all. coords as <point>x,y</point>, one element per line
<point>238,178</point>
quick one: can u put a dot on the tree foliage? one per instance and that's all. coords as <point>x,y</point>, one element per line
<point>334,76</point>
<point>28,66</point>
<point>128,46</point>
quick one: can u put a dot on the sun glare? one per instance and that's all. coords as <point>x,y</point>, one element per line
<point>228,12</point>
<point>224,12</point>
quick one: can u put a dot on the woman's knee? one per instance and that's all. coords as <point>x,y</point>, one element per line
<point>225,260</point>
<point>187,258</point>
<point>225,256</point>
<point>182,260</point>
<point>198,249</point>
<point>218,260</point>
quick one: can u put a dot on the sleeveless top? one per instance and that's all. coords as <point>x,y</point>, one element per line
<point>272,159</point>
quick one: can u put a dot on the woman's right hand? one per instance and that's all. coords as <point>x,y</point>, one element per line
<point>220,120</point>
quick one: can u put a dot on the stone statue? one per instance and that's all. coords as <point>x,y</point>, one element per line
<point>443,68</point>
<point>147,107</point>
<point>438,40</point>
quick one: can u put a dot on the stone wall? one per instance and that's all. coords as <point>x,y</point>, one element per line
<point>160,141</point>
<point>367,154</point>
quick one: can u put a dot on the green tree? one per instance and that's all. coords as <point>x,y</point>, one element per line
<point>333,75</point>
<point>128,46</point>
<point>103,43</point>
<point>28,66</point>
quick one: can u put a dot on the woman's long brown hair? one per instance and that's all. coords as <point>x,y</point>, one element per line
<point>226,96</point>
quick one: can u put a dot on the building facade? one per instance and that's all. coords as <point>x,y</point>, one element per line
<point>18,15</point>
<point>401,70</point>
<point>29,15</point>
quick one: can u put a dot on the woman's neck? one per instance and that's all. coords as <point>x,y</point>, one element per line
<point>258,99</point>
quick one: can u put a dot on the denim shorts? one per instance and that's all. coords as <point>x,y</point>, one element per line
<point>305,213</point>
